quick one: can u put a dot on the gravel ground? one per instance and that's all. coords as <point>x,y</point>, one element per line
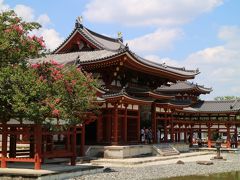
<point>165,169</point>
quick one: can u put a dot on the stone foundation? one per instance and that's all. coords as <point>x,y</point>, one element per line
<point>119,152</point>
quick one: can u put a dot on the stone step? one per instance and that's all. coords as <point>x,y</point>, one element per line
<point>165,150</point>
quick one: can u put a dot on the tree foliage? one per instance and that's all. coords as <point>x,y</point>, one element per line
<point>222,98</point>
<point>41,92</point>
<point>16,43</point>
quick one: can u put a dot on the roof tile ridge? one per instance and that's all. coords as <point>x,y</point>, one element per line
<point>89,37</point>
<point>96,42</point>
<point>234,103</point>
<point>102,36</point>
<point>183,69</point>
<point>163,65</point>
<point>101,58</point>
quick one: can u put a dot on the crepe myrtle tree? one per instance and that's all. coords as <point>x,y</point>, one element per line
<point>39,92</point>
<point>71,92</point>
<point>45,92</point>
<point>16,42</point>
<point>16,46</point>
<point>21,93</point>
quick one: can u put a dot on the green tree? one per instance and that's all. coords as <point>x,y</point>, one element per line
<point>21,94</point>
<point>41,92</point>
<point>222,98</point>
<point>16,44</point>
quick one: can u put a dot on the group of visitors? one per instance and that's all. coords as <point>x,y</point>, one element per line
<point>146,135</point>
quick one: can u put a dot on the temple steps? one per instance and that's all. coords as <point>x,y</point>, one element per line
<point>165,150</point>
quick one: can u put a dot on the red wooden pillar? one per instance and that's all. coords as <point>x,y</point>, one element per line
<point>236,137</point>
<point>179,133</point>
<point>165,130</point>
<point>228,136</point>
<point>38,146</point>
<point>209,136</point>
<point>154,124</point>
<point>82,152</point>
<point>138,126</point>
<point>185,133</point>
<point>125,125</point>
<point>31,141</point>
<point>109,126</point>
<point>176,135</point>
<point>4,146</point>
<point>99,129</point>
<point>13,142</point>
<point>191,135</point>
<point>172,133</point>
<point>73,146</point>
<point>172,129</point>
<point>115,125</point>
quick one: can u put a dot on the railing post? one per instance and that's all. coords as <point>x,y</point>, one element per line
<point>74,154</point>
<point>4,146</point>
<point>38,146</point>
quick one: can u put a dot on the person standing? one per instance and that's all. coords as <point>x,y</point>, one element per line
<point>158,136</point>
<point>142,135</point>
<point>146,135</point>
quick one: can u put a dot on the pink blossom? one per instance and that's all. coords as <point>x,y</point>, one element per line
<point>55,112</point>
<point>38,40</point>
<point>41,78</point>
<point>74,82</point>
<point>51,106</point>
<point>18,28</point>
<point>7,30</point>
<point>60,66</point>
<point>69,90</point>
<point>54,62</point>
<point>35,66</point>
<point>57,100</point>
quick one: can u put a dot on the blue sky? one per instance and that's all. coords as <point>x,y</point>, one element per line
<point>202,34</point>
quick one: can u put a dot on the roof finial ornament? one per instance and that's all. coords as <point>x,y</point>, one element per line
<point>79,22</point>
<point>126,46</point>
<point>120,36</point>
<point>80,19</point>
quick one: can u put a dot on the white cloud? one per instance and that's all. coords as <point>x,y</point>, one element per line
<point>43,19</point>
<point>3,6</point>
<point>157,59</point>
<point>26,12</point>
<point>52,38</point>
<point>220,65</point>
<point>151,12</point>
<point>230,35</point>
<point>161,39</point>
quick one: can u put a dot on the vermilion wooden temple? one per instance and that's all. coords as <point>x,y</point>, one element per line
<point>136,92</point>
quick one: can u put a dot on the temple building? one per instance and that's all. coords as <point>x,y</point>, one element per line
<point>134,93</point>
<point>139,93</point>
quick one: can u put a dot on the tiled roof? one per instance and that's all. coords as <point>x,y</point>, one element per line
<point>153,94</point>
<point>215,106</point>
<point>98,40</point>
<point>123,92</point>
<point>76,56</point>
<point>107,47</point>
<point>84,57</point>
<point>184,86</point>
<point>104,41</point>
<point>165,67</point>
